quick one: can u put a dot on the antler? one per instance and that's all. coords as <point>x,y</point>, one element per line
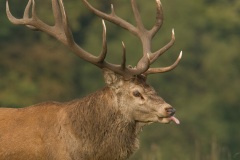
<point>61,31</point>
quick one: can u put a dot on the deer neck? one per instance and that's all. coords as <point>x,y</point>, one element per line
<point>99,115</point>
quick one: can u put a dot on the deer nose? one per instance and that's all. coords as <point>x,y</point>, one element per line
<point>171,111</point>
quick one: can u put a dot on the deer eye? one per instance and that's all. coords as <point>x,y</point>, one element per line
<point>137,94</point>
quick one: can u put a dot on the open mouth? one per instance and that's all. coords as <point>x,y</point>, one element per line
<point>174,119</point>
<point>168,119</point>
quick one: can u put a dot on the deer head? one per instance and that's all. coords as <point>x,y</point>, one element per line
<point>136,99</point>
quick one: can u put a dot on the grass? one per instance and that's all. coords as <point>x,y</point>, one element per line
<point>215,151</point>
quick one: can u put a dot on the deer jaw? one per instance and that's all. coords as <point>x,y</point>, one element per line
<point>138,101</point>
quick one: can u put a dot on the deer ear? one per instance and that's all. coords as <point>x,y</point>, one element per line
<point>110,77</point>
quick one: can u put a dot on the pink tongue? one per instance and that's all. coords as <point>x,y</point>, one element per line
<point>175,120</point>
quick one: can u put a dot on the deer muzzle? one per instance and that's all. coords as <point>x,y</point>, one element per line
<point>170,112</point>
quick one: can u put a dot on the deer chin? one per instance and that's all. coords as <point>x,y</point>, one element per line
<point>168,119</point>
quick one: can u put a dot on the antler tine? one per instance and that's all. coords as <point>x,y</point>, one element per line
<point>123,65</point>
<point>26,13</point>
<point>57,13</point>
<point>103,54</point>
<point>27,9</point>
<point>32,22</point>
<point>25,19</point>
<point>154,56</point>
<point>112,17</point>
<point>143,34</point>
<point>164,69</point>
<point>159,19</point>
<point>158,53</point>
<point>137,16</point>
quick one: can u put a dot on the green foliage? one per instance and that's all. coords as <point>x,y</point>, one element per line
<point>204,88</point>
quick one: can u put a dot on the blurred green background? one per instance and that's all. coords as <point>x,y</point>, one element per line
<point>204,88</point>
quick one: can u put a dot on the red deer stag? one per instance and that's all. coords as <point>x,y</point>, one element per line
<point>102,126</point>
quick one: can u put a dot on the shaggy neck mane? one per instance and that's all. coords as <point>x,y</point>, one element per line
<point>102,123</point>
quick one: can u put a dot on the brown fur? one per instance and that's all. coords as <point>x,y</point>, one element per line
<point>90,128</point>
<point>101,126</point>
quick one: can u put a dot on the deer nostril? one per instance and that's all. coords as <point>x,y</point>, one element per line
<point>171,111</point>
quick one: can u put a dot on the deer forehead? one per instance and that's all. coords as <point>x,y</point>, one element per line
<point>139,85</point>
